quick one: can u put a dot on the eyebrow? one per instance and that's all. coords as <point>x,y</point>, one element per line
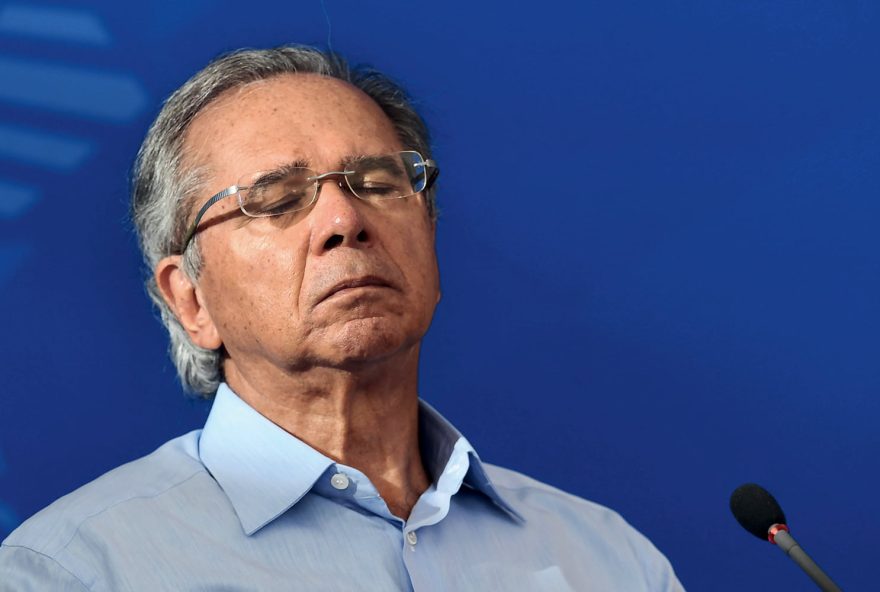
<point>352,159</point>
<point>384,161</point>
<point>278,172</point>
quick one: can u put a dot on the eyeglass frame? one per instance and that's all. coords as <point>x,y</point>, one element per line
<point>431,172</point>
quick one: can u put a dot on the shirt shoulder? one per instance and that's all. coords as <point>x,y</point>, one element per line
<point>524,490</point>
<point>50,530</point>
<point>586,525</point>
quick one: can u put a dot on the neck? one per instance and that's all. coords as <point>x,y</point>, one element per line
<point>366,418</point>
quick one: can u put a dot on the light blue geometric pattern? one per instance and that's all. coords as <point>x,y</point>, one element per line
<point>68,89</point>
<point>15,200</point>
<point>42,148</point>
<point>80,91</point>
<point>60,24</point>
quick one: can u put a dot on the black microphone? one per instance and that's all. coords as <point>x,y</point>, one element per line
<point>758,512</point>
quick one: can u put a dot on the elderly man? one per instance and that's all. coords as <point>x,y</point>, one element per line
<point>285,204</point>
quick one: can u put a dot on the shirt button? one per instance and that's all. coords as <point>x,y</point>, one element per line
<point>412,538</point>
<point>339,481</point>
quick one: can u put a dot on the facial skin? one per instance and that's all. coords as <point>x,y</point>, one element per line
<point>267,284</point>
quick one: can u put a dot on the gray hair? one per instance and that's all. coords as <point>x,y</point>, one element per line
<point>164,184</point>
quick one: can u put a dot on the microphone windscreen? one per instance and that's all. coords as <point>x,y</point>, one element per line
<point>755,509</point>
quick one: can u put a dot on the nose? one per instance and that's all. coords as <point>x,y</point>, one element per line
<point>337,219</point>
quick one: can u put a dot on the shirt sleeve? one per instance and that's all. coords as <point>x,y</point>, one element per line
<point>25,570</point>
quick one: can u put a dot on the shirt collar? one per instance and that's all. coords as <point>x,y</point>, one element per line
<point>264,470</point>
<point>438,440</point>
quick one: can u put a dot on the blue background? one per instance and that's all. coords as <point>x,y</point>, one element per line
<point>658,249</point>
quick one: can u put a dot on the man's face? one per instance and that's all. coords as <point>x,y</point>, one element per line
<point>343,283</point>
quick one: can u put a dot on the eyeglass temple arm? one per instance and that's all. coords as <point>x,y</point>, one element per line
<point>217,197</point>
<point>433,172</point>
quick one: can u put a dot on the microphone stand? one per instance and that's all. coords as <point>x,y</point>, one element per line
<point>779,536</point>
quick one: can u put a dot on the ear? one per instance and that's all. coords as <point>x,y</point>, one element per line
<point>185,299</point>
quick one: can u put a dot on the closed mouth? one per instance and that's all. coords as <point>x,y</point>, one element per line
<point>350,284</point>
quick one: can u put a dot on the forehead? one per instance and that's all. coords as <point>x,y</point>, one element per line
<point>303,117</point>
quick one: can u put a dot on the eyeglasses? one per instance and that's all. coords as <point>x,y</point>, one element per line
<point>293,188</point>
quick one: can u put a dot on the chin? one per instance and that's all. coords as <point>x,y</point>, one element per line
<point>373,339</point>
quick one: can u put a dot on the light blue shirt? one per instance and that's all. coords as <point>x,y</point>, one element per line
<point>243,505</point>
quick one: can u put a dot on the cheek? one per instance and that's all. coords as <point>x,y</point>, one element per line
<point>255,283</point>
<point>269,282</point>
<point>421,262</point>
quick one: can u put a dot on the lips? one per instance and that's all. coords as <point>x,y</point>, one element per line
<point>359,282</point>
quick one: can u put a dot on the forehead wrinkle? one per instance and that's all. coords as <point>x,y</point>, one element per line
<point>355,158</point>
